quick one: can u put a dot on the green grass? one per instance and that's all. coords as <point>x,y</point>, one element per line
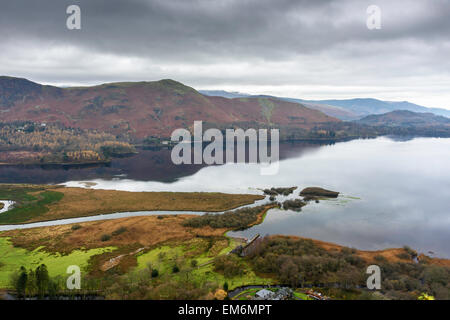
<point>249,292</point>
<point>12,258</point>
<point>165,257</point>
<point>162,258</point>
<point>27,206</point>
<point>17,192</point>
<point>301,295</point>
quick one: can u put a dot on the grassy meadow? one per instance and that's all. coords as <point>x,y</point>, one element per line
<point>12,258</point>
<point>43,203</point>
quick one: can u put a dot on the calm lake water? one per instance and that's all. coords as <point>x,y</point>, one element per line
<point>393,192</point>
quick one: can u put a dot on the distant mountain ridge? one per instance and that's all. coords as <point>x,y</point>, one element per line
<point>366,106</point>
<point>405,118</point>
<point>145,109</point>
<point>224,94</point>
<point>353,109</point>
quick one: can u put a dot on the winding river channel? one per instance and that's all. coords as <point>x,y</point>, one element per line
<point>110,216</point>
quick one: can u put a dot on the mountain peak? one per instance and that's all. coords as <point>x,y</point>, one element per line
<point>5,80</point>
<point>13,89</point>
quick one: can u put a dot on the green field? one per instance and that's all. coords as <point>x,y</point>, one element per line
<point>28,206</point>
<point>41,203</point>
<point>301,296</point>
<point>12,258</point>
<point>164,258</point>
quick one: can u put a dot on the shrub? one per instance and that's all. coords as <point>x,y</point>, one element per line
<point>404,256</point>
<point>230,265</point>
<point>380,259</point>
<point>410,251</point>
<point>236,220</point>
<point>155,273</point>
<point>295,205</point>
<point>175,269</point>
<point>105,237</point>
<point>119,231</point>
<point>194,263</point>
<point>76,227</point>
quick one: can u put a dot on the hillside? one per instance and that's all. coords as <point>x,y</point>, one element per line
<point>348,109</point>
<point>138,110</point>
<point>404,118</point>
<point>332,111</point>
<point>367,106</point>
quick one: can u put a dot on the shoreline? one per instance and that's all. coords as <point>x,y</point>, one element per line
<point>5,205</point>
<point>116,215</point>
<point>87,236</point>
<point>166,144</point>
<point>85,204</point>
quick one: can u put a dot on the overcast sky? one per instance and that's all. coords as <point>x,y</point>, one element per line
<point>315,49</point>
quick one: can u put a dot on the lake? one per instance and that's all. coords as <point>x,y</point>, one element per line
<point>394,192</point>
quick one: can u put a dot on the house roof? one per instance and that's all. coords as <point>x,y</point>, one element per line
<point>264,293</point>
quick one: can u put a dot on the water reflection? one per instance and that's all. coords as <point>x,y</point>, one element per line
<point>403,190</point>
<point>148,165</point>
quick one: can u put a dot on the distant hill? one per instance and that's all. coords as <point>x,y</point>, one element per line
<point>145,109</point>
<point>349,109</point>
<point>332,111</point>
<point>224,94</point>
<point>367,106</point>
<point>404,118</point>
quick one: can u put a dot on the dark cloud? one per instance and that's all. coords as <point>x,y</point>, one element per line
<point>273,45</point>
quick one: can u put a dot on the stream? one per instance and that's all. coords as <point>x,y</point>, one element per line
<point>110,216</point>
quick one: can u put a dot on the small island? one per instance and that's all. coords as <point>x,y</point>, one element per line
<point>295,205</point>
<point>279,191</point>
<point>316,193</point>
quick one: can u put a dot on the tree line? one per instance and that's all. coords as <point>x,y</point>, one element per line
<point>236,220</point>
<point>301,262</point>
<point>54,142</point>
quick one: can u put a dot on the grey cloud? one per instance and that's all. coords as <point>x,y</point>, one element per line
<point>320,42</point>
<point>204,29</point>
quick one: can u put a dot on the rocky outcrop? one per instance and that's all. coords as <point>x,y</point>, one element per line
<point>295,205</point>
<point>279,191</point>
<point>314,193</point>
